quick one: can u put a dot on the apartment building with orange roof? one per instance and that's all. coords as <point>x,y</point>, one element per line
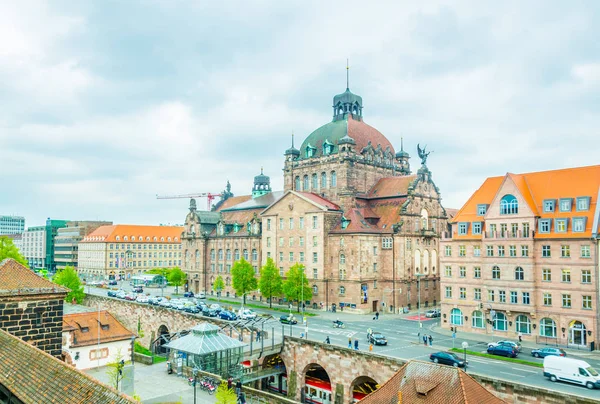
<point>121,251</point>
<point>522,258</point>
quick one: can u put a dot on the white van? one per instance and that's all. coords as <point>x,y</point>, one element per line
<point>201,295</point>
<point>571,370</point>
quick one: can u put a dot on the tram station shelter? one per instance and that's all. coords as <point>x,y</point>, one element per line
<point>209,349</point>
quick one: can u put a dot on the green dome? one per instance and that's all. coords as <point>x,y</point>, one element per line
<point>347,97</point>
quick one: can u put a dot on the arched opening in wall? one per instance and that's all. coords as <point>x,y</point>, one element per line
<point>424,219</point>
<point>317,385</point>
<point>163,337</point>
<point>362,386</point>
<point>277,380</point>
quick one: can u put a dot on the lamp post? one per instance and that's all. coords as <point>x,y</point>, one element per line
<point>419,299</point>
<point>465,345</point>
<point>195,375</point>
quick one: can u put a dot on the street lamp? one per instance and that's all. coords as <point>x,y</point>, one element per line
<point>195,375</point>
<point>419,299</point>
<point>465,345</point>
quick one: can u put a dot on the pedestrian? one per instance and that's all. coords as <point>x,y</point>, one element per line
<point>430,340</point>
<point>425,340</point>
<point>356,344</point>
<point>371,348</point>
<point>520,337</point>
<point>350,343</point>
<point>238,387</point>
<point>257,336</point>
<point>242,398</point>
<point>377,315</point>
<point>327,340</point>
<point>321,305</point>
<point>229,383</point>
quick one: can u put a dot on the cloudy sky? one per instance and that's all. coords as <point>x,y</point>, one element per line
<point>107,103</point>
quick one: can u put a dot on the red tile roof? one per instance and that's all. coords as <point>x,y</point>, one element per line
<point>428,383</point>
<point>364,134</point>
<point>101,327</point>
<point>128,233</point>
<point>234,200</point>
<point>16,279</point>
<point>34,376</point>
<point>318,200</point>
<point>391,187</point>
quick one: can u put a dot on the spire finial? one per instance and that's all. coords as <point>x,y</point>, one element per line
<point>261,170</point>
<point>401,144</point>
<point>347,74</point>
<point>292,139</point>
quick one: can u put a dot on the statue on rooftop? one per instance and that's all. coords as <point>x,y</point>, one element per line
<point>422,154</point>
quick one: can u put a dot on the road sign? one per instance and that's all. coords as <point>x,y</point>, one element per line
<point>453,335</point>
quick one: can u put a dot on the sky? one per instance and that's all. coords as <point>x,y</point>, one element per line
<point>106,104</point>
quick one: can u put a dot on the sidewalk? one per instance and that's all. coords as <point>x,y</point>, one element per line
<point>486,338</point>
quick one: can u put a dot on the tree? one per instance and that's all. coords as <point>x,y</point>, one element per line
<point>243,278</point>
<point>270,283</point>
<point>225,395</point>
<point>9,250</point>
<point>293,287</point>
<point>115,370</point>
<point>68,278</point>
<point>177,277</point>
<point>218,286</point>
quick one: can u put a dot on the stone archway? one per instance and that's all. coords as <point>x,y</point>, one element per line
<point>316,384</point>
<point>275,383</point>
<point>161,339</point>
<point>361,387</point>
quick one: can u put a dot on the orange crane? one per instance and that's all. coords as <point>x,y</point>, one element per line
<point>208,195</point>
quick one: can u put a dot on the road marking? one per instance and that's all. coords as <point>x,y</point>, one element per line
<point>525,370</point>
<point>512,374</point>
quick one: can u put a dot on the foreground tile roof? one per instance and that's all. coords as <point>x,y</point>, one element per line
<point>429,383</point>
<point>16,279</point>
<point>234,200</point>
<point>92,328</point>
<point>391,187</point>
<point>127,233</point>
<point>33,376</point>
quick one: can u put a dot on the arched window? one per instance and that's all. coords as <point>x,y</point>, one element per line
<point>305,185</point>
<point>315,181</point>
<point>254,255</point>
<point>237,254</point>
<point>519,274</point>
<point>509,205</point>
<point>228,254</point>
<point>342,259</point>
<point>227,281</point>
<point>246,255</point>
<point>500,322</point>
<point>333,179</point>
<point>323,180</point>
<point>477,319</point>
<point>342,290</point>
<point>297,185</point>
<point>523,325</point>
<point>424,219</point>
<point>197,254</point>
<point>496,272</point>
<point>456,317</point>
<point>547,327</point>
<point>220,254</point>
<point>315,289</point>
<point>212,254</point>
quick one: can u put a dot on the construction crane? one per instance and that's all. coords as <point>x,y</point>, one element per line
<point>208,195</point>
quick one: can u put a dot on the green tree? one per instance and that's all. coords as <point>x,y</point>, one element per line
<point>114,370</point>
<point>68,278</point>
<point>9,250</point>
<point>218,286</point>
<point>243,278</point>
<point>177,277</point>
<point>270,283</point>
<point>225,395</point>
<point>296,287</point>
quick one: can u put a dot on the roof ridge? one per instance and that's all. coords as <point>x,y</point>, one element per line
<point>462,387</point>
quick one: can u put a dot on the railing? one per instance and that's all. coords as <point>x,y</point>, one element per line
<point>561,343</point>
<point>507,234</point>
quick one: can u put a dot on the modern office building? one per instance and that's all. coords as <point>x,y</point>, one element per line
<point>34,246</point>
<point>522,258</point>
<point>120,251</point>
<point>67,241</point>
<point>11,225</point>
<point>365,228</point>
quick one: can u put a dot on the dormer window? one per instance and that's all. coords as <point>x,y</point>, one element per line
<point>236,227</point>
<point>583,203</point>
<point>462,228</point>
<point>509,205</point>
<point>105,327</point>
<point>565,204</point>
<point>481,210</point>
<point>327,148</point>
<point>345,223</point>
<point>549,205</point>
<point>310,151</point>
<point>476,228</point>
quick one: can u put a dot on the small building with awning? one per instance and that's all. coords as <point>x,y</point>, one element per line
<point>206,347</point>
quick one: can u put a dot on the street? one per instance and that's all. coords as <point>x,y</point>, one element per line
<point>404,343</point>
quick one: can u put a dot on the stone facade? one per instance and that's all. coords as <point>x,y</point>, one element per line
<point>35,319</point>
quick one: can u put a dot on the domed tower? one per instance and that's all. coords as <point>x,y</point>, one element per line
<point>402,158</point>
<point>262,185</point>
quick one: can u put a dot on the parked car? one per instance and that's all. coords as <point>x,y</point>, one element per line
<point>285,319</point>
<point>178,305</point>
<point>121,294</point>
<point>130,297</point>
<point>201,295</point>
<point>138,289</point>
<point>571,370</point>
<point>503,350</point>
<point>188,294</point>
<point>112,282</point>
<point>111,293</point>
<point>227,315</point>
<point>247,314</point>
<point>448,358</point>
<point>433,313</point>
<point>191,309</point>
<point>377,338</point>
<point>208,312</point>
<point>216,307</point>
<point>164,303</point>
<point>141,299</point>
<point>515,345</point>
<point>543,352</point>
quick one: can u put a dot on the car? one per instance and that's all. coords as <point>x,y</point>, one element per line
<point>121,294</point>
<point>130,297</point>
<point>433,313</point>
<point>543,352</point>
<point>216,307</point>
<point>201,295</point>
<point>377,338</point>
<point>247,314</point>
<point>503,350</point>
<point>285,319</point>
<point>188,294</point>
<point>141,299</point>
<point>208,312</point>
<point>448,358</point>
<point>191,309</point>
<point>515,345</point>
<point>112,282</point>
<point>177,305</point>
<point>111,293</point>
<point>227,315</point>
<point>138,289</point>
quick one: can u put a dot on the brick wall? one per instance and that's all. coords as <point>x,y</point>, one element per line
<point>37,320</point>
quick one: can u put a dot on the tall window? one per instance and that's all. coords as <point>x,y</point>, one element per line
<point>462,251</point>
<point>305,187</point>
<point>524,251</point>
<point>547,328</point>
<point>301,223</point>
<point>463,293</point>
<point>546,251</point>
<point>254,255</point>
<point>509,205</point>
<point>500,322</point>
<point>237,254</point>
<point>315,222</point>
<point>495,272</point>
<point>297,185</point>
<point>477,251</point>
<point>342,259</point>
<point>477,294</point>
<point>566,300</point>
<point>477,320</point>
<point>565,251</point>
<point>586,302</point>
<point>333,179</point>
<point>246,255</point>
<point>291,223</point>
<point>281,223</point>
<point>512,250</point>
<point>519,274</point>
<point>315,182</point>
<point>547,299</point>
<point>566,275</point>
<point>462,272</point>
<point>323,180</point>
<point>448,292</point>
<point>477,272</point>
<point>456,317</point>
<point>523,325</point>
<point>586,276</point>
